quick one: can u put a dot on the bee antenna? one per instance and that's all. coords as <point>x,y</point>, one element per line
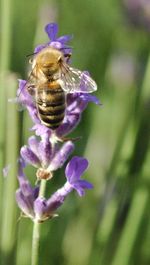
<point>28,55</point>
<point>65,48</point>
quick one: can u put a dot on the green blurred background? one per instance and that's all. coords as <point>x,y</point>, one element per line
<point>111,224</point>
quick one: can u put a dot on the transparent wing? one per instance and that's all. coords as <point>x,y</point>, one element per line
<point>73,80</point>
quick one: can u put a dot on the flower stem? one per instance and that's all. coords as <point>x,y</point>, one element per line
<point>36,231</point>
<point>35,243</point>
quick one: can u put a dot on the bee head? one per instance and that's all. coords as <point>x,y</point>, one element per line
<point>49,60</point>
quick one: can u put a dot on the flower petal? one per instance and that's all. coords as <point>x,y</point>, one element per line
<point>81,185</point>
<point>40,129</point>
<point>29,156</point>
<point>33,144</point>
<point>55,201</point>
<point>52,30</point>
<point>39,48</point>
<point>33,114</point>
<point>45,151</point>
<point>65,38</point>
<point>25,203</point>
<point>25,186</point>
<point>40,208</point>
<point>56,45</point>
<point>61,156</point>
<point>23,96</point>
<point>69,123</point>
<point>90,98</point>
<point>76,168</point>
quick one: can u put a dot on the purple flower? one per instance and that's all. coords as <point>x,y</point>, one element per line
<point>26,195</point>
<point>39,208</point>
<point>74,171</point>
<point>55,42</point>
<point>40,154</point>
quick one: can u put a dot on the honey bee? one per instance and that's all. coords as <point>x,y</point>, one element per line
<point>50,80</point>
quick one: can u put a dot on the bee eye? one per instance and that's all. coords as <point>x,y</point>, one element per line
<point>30,61</point>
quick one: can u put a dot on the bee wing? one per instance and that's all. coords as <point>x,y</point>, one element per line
<point>73,80</point>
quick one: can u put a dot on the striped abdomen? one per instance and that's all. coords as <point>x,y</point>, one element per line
<point>50,101</point>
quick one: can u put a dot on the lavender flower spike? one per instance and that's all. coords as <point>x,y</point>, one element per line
<point>45,209</point>
<point>38,208</point>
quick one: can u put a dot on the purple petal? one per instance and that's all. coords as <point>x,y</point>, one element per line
<point>22,94</point>
<point>81,185</point>
<point>26,99</point>
<point>69,123</point>
<point>36,192</point>
<point>52,30</point>
<point>45,152</point>
<point>56,45</point>
<point>23,182</point>
<point>41,130</point>
<point>25,203</point>
<point>90,98</point>
<point>66,50</point>
<point>26,188</point>
<point>61,156</point>
<point>76,104</point>
<point>40,208</point>
<point>39,48</point>
<point>29,156</point>
<point>33,114</point>
<point>33,144</point>
<point>55,201</point>
<point>22,84</point>
<point>75,168</point>
<point>64,39</point>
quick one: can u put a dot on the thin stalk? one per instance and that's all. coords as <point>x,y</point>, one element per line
<point>8,220</point>
<point>36,231</point>
<point>6,24</point>
<point>5,46</point>
<point>129,235</point>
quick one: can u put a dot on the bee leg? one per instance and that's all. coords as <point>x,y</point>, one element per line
<point>74,139</point>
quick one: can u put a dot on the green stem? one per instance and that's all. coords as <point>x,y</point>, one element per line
<point>6,27</point>
<point>36,231</point>
<point>5,47</point>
